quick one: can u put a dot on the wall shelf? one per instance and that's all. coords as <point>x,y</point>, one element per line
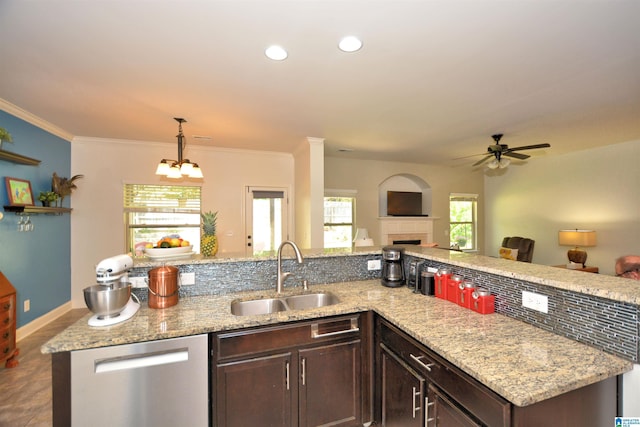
<point>18,158</point>
<point>33,210</point>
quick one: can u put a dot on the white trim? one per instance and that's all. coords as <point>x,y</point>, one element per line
<point>14,110</point>
<point>41,321</point>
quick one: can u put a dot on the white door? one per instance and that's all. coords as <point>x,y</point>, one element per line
<point>266,219</point>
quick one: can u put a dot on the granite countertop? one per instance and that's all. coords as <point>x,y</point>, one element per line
<point>522,363</point>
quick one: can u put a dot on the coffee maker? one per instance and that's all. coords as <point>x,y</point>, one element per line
<point>393,268</point>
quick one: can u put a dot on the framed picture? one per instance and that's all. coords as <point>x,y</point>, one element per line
<point>19,192</point>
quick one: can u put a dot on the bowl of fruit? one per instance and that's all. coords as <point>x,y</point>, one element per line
<point>169,246</point>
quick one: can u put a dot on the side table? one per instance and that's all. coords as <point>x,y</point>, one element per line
<point>586,269</point>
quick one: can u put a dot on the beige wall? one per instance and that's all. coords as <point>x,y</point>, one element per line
<point>365,176</point>
<point>595,189</point>
<point>97,219</point>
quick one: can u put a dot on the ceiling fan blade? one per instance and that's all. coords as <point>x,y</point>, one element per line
<point>472,155</point>
<point>516,155</point>
<point>530,147</point>
<point>483,160</point>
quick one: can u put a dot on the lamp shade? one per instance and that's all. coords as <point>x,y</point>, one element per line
<point>577,238</point>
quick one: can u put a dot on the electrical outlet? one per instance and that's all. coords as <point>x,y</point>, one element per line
<point>187,279</point>
<point>373,264</point>
<point>27,305</point>
<point>138,282</point>
<point>535,301</point>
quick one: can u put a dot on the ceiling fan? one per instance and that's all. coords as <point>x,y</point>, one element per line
<point>497,151</point>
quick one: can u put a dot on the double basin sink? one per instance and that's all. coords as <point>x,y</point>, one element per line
<point>274,305</point>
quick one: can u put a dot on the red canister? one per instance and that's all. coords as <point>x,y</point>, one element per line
<point>163,287</point>
<point>453,288</point>
<point>442,283</point>
<point>482,301</point>
<point>466,288</point>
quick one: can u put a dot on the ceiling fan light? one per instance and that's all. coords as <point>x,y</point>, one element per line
<point>504,163</point>
<point>163,168</point>
<point>493,164</point>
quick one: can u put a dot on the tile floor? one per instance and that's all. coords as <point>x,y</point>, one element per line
<point>25,391</point>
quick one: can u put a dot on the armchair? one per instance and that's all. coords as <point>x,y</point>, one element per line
<point>522,244</point>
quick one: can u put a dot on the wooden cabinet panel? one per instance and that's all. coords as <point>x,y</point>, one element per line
<point>254,392</point>
<point>300,374</point>
<point>329,387</point>
<point>402,392</point>
<point>443,412</point>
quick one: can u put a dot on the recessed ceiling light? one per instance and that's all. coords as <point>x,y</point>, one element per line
<point>350,44</point>
<point>277,53</point>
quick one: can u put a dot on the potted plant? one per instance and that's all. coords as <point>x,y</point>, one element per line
<point>4,136</point>
<point>48,198</point>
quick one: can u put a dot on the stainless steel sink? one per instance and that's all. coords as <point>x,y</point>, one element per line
<point>274,305</point>
<point>257,306</point>
<point>300,302</point>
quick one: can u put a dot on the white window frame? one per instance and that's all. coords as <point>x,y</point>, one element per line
<point>162,199</point>
<point>474,222</point>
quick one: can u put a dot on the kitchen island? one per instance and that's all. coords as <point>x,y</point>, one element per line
<point>522,363</point>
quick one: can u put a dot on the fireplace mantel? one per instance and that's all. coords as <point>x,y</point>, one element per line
<point>394,228</point>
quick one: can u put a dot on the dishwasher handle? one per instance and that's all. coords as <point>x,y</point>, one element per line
<point>143,360</point>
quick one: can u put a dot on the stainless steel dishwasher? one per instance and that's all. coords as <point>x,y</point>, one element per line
<point>156,383</point>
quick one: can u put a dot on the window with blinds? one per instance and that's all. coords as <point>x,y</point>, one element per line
<point>463,221</point>
<point>339,214</point>
<point>152,212</point>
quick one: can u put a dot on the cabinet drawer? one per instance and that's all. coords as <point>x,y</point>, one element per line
<point>7,335</point>
<point>6,310</point>
<point>479,400</point>
<point>242,343</point>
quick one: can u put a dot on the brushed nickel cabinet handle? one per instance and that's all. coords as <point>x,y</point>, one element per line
<point>304,371</point>
<point>426,411</point>
<point>426,366</point>
<point>286,374</point>
<point>352,328</point>
<point>413,404</point>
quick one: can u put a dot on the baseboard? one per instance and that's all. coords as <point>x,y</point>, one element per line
<point>41,321</point>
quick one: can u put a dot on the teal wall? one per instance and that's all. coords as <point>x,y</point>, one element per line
<point>36,263</point>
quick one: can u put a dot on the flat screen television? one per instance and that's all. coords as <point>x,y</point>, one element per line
<point>404,203</point>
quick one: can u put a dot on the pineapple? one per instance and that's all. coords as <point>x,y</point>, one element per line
<point>209,240</point>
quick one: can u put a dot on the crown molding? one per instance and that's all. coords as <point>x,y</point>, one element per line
<point>14,110</point>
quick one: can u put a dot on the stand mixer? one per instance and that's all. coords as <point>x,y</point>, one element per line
<point>111,299</point>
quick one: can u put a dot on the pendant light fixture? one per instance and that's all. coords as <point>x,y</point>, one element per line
<point>179,168</point>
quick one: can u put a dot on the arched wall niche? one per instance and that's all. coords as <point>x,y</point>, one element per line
<point>404,182</point>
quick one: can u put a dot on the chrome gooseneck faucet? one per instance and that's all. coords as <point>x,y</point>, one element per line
<point>283,276</point>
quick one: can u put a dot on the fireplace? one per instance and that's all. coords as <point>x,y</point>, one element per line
<point>406,229</point>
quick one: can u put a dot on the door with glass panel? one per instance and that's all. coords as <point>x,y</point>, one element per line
<point>266,219</point>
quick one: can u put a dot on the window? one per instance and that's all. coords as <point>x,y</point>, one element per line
<point>339,212</point>
<point>463,221</point>
<point>152,212</point>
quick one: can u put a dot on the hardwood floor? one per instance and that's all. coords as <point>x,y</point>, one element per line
<point>25,391</point>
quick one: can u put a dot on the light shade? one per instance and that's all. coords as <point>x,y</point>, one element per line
<point>577,237</point>
<point>362,238</point>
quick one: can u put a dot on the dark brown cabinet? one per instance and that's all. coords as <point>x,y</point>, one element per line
<point>402,391</point>
<point>303,374</point>
<point>406,369</point>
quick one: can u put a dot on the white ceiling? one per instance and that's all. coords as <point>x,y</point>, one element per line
<point>433,81</point>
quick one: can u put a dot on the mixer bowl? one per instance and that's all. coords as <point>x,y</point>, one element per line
<point>107,301</point>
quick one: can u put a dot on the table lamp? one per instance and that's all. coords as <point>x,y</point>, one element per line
<point>362,238</point>
<point>577,238</point>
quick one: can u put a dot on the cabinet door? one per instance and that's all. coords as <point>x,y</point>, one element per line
<point>254,392</point>
<point>443,412</point>
<point>329,386</point>
<point>402,392</point>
